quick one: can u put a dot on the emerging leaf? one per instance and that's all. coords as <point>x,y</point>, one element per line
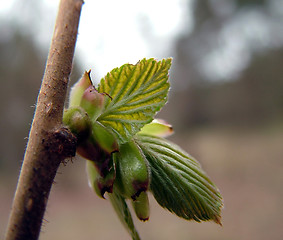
<point>138,92</point>
<point>124,214</point>
<point>178,183</point>
<point>158,128</point>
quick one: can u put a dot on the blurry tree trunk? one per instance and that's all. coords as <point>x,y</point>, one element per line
<point>49,142</point>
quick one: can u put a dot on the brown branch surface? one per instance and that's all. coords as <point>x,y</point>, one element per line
<point>49,143</point>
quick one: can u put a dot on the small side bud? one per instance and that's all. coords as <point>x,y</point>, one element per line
<point>77,120</point>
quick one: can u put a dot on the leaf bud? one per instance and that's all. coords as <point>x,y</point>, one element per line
<point>78,89</point>
<point>93,102</point>
<point>132,172</point>
<point>141,206</point>
<point>104,137</point>
<point>97,182</point>
<point>98,147</point>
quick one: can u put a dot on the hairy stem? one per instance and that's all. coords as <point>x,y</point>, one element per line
<point>49,143</point>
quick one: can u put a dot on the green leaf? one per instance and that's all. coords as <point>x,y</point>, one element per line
<point>124,214</point>
<point>138,92</point>
<point>178,182</point>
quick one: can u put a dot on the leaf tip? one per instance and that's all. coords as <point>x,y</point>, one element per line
<point>217,220</point>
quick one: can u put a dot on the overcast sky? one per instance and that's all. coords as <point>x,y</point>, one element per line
<point>113,32</point>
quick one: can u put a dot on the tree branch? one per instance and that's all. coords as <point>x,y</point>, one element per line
<point>49,143</point>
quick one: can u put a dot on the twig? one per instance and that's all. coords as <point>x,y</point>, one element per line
<point>49,143</point>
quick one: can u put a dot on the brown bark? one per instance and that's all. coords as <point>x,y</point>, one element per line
<point>49,142</point>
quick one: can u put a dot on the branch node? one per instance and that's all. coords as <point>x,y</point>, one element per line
<point>61,142</point>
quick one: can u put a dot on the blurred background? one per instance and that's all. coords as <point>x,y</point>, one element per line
<point>226,106</point>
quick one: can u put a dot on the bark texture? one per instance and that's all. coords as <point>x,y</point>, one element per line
<point>49,142</point>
